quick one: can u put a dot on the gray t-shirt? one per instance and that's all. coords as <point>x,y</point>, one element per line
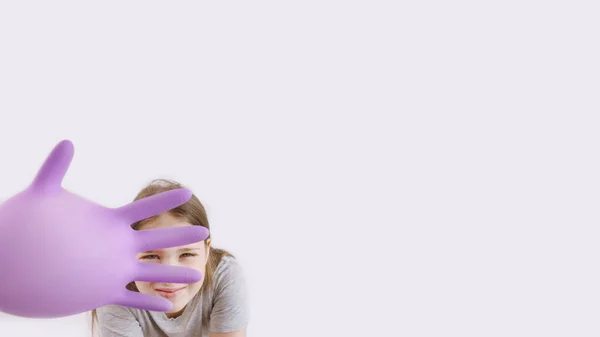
<point>225,306</point>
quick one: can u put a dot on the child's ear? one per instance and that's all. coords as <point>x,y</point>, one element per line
<point>207,247</point>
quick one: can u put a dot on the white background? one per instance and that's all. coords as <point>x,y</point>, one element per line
<point>399,168</point>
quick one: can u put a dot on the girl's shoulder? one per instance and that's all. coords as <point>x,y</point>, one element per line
<point>227,302</point>
<point>228,268</point>
<point>227,262</point>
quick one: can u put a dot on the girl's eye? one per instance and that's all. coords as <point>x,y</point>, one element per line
<point>188,255</point>
<point>154,256</point>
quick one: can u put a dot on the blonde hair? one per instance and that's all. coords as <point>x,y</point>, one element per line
<point>192,212</point>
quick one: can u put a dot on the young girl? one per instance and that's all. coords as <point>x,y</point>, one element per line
<point>216,306</point>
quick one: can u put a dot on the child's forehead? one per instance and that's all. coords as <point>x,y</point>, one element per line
<point>163,221</point>
<point>196,246</point>
<point>192,247</point>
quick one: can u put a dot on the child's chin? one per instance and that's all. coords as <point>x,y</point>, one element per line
<point>177,307</point>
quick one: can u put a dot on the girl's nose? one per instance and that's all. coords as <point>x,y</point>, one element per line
<point>170,261</point>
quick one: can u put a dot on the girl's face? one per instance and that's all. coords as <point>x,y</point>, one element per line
<point>191,256</point>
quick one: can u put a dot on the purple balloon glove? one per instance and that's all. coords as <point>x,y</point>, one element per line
<point>61,254</point>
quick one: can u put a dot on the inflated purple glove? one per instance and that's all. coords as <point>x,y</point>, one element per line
<point>61,254</point>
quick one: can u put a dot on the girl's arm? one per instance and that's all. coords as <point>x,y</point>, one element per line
<point>230,312</point>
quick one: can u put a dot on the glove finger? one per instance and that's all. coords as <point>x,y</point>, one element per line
<point>141,301</point>
<point>151,239</point>
<point>153,272</point>
<point>55,167</point>
<point>154,204</point>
